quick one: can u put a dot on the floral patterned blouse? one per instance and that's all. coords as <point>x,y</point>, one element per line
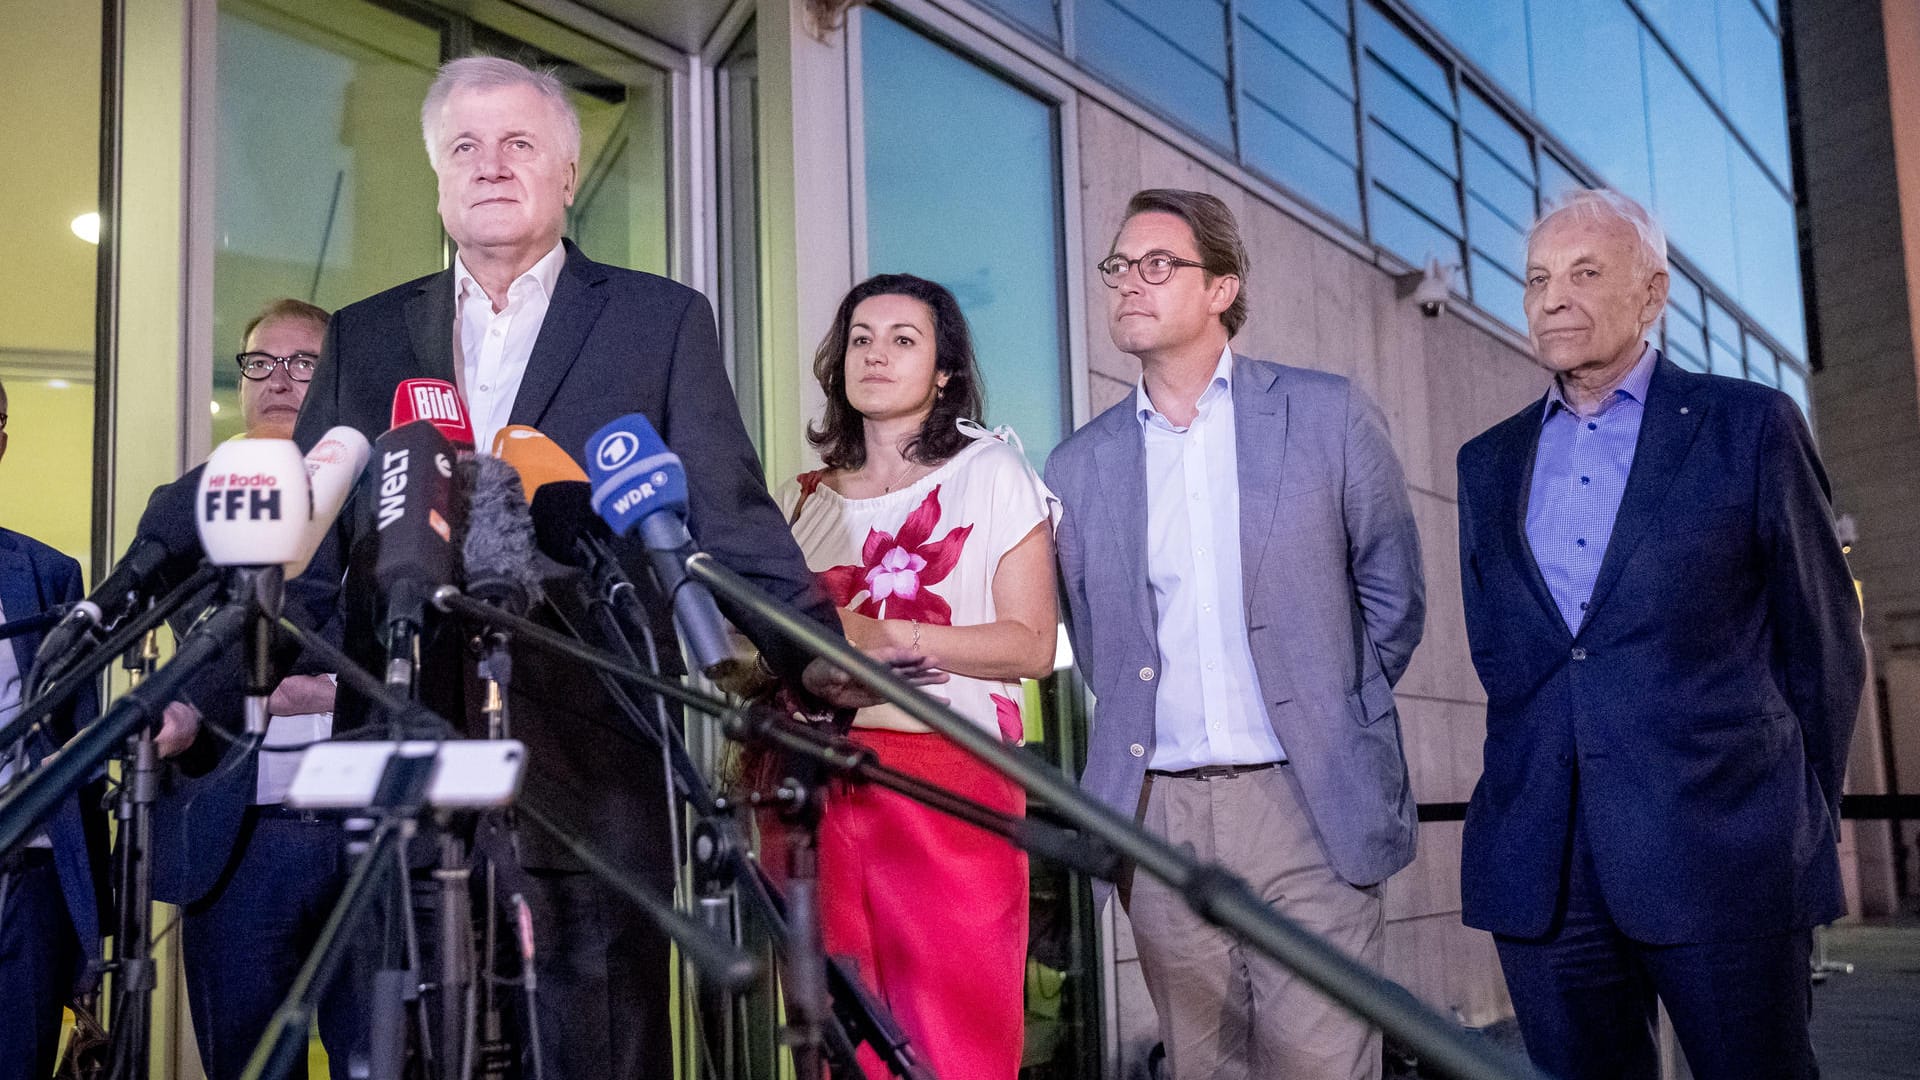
<point>928,552</point>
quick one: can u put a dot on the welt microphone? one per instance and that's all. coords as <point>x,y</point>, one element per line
<point>411,480</point>
<point>639,483</point>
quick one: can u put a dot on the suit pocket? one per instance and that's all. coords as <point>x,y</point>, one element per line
<point>1372,702</point>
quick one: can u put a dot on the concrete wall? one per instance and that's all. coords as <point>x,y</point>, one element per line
<point>1440,381</point>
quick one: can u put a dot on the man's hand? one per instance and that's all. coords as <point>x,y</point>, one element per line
<point>299,695</point>
<point>179,726</point>
<point>839,689</point>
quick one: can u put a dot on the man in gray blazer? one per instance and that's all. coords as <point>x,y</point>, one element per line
<point>1243,588</point>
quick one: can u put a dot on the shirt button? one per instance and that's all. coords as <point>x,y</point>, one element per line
<point>484,388</point>
<point>1566,759</point>
<point>1211,665</point>
<point>1591,426</point>
<point>1146,674</point>
<point>1206,607</point>
<point>1585,480</point>
<point>1213,726</point>
<point>1583,605</point>
<point>1582,542</point>
<point>1200,553</point>
<point>1579,653</point>
<point>1137,750</point>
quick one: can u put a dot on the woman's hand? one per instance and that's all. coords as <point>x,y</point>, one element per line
<point>870,635</point>
<point>299,695</point>
<point>837,688</point>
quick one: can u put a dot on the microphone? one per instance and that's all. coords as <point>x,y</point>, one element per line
<point>437,402</point>
<point>538,459</point>
<point>334,466</point>
<point>499,547</point>
<point>254,512</point>
<point>413,536</point>
<point>637,481</point>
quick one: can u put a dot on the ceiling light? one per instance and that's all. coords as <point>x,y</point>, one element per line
<point>58,384</point>
<point>216,407</point>
<point>87,227</point>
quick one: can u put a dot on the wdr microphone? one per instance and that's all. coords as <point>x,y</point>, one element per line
<point>414,519</point>
<point>254,512</point>
<point>437,402</point>
<point>638,482</point>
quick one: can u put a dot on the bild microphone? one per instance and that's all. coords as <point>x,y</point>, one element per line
<point>414,519</point>
<point>639,483</point>
<point>254,512</point>
<point>437,402</point>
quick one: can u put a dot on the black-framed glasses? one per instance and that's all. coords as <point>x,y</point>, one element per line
<point>259,365</point>
<point>1155,267</point>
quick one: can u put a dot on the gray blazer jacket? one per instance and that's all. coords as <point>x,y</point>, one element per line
<point>1335,600</point>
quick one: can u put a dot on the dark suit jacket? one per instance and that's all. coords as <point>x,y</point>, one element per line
<point>33,578</point>
<point>1697,725</point>
<point>613,342</point>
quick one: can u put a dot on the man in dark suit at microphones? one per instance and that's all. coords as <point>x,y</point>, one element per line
<point>533,332</point>
<point>1669,638</point>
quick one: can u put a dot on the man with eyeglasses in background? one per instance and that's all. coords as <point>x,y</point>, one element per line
<point>256,879</point>
<point>52,889</point>
<point>1243,588</point>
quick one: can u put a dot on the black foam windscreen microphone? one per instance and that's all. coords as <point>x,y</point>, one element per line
<point>414,519</point>
<point>565,524</point>
<point>499,548</point>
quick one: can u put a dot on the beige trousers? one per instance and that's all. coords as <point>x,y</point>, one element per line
<point>1226,1012</point>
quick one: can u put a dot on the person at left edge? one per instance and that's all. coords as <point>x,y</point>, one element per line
<point>256,879</point>
<point>534,332</point>
<point>53,888</point>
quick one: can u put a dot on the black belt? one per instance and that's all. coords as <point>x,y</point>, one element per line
<point>283,812</point>
<point>1214,772</point>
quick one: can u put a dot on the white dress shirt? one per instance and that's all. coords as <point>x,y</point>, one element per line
<point>1208,705</point>
<point>494,346</point>
<point>11,680</point>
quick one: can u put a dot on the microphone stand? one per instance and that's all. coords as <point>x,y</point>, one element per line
<point>132,966</point>
<point>1212,892</point>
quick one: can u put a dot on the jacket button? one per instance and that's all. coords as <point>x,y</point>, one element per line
<point>1566,759</point>
<point>1146,674</point>
<point>1137,750</point>
<point>1579,653</point>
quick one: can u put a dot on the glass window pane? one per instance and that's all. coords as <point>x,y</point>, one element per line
<point>1277,82</point>
<point>1408,115</point>
<point>1406,57</point>
<point>1684,340</point>
<point>1035,15</point>
<point>737,83</point>
<point>971,200</point>
<point>1274,146</point>
<point>1692,27</point>
<point>1173,57</point>
<point>1760,364</point>
<point>323,189</point>
<point>1292,27</point>
<point>1412,177</point>
<point>1491,234</point>
<point>1498,134</point>
<point>1396,227</point>
<point>1768,243</point>
<point>1496,185</point>
<point>1335,12</point>
<point>1691,192</point>
<point>1587,86</point>
<point>1683,294</point>
<point>1499,292</point>
<point>1722,325</point>
<point>51,83</point>
<point>1491,33</point>
<point>1724,359</point>
<point>1793,382</point>
<point>1756,97</point>
<point>1555,179</point>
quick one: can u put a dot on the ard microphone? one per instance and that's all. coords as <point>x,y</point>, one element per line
<point>414,519</point>
<point>638,482</point>
<point>437,402</point>
<point>254,512</point>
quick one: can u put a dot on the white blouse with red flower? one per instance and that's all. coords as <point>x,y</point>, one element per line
<point>928,552</point>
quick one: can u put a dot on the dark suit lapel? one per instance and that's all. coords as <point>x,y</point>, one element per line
<point>1121,457</point>
<point>1667,427</point>
<point>570,317</point>
<point>430,328</point>
<point>19,598</point>
<point>1520,442</point>
<point>1260,448</point>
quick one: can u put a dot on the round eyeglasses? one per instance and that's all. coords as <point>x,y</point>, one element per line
<point>259,365</point>
<point>1155,267</point>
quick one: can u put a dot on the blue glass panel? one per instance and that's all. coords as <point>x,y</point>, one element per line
<point>1769,251</point>
<point>1691,192</point>
<point>1760,365</point>
<point>962,188</point>
<point>1410,175</point>
<point>1495,131</point>
<point>1587,86</point>
<point>1723,360</point>
<point>1292,26</point>
<point>1491,33</point>
<point>1196,27</point>
<point>1274,146</point>
<point>1686,353</point>
<point>1499,293</point>
<point>1398,229</point>
<point>1408,115</point>
<point>1036,15</point>
<point>1335,12</point>
<point>1285,86</point>
<point>1756,98</point>
<point>1493,235</point>
<point>1138,56</point>
<point>1495,183</point>
<point>1683,294</point>
<point>1722,326</point>
<point>1793,382</point>
<point>1555,179</point>
<point>1402,54</point>
<point>1684,336</point>
<point>1692,27</point>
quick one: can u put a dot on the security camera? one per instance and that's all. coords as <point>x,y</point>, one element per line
<point>1430,288</point>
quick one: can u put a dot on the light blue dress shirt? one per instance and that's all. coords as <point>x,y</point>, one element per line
<point>1208,706</point>
<point>11,680</point>
<point>1579,474</point>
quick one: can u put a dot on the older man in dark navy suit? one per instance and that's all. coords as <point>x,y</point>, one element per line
<point>1670,643</point>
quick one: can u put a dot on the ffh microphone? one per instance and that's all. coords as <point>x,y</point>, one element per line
<point>437,402</point>
<point>254,512</point>
<point>638,482</point>
<point>411,476</point>
<point>334,466</point>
